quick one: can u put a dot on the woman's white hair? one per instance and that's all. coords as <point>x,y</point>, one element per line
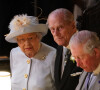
<point>89,39</point>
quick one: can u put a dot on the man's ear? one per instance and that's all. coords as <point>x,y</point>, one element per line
<point>97,52</point>
<point>73,25</point>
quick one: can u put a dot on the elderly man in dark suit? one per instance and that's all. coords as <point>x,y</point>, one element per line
<point>62,26</point>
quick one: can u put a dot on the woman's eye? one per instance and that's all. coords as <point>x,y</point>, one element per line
<point>21,39</point>
<point>30,38</point>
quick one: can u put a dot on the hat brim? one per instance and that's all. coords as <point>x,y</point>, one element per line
<point>11,37</point>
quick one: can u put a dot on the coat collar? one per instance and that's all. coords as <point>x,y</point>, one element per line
<point>42,53</point>
<point>81,81</point>
<point>97,70</point>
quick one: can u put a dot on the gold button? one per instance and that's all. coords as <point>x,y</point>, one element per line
<point>28,61</point>
<point>24,88</point>
<point>25,75</point>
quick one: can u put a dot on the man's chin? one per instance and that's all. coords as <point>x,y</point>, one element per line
<point>60,43</point>
<point>87,70</point>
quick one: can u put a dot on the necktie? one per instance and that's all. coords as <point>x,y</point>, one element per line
<point>87,81</point>
<point>67,55</point>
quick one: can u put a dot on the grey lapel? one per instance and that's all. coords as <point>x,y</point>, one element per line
<point>81,81</point>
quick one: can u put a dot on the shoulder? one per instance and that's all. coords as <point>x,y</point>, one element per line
<point>16,49</point>
<point>46,52</point>
<point>47,48</point>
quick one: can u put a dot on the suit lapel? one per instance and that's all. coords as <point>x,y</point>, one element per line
<point>67,70</point>
<point>81,81</point>
<point>58,63</point>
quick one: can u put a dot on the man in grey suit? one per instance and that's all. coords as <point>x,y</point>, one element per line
<point>85,48</point>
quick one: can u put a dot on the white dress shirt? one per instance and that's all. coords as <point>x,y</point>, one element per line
<point>35,73</point>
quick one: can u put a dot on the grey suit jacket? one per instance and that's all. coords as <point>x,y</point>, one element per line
<point>94,85</point>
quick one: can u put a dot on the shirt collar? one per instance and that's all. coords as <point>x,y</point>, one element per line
<point>97,70</point>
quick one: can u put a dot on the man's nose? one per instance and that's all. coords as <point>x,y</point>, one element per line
<point>78,62</point>
<point>56,32</point>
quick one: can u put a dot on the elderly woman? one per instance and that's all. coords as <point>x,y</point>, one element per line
<point>32,62</point>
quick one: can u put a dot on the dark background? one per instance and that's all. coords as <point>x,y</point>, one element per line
<point>10,8</point>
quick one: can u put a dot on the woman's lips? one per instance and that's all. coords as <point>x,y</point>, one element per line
<point>28,48</point>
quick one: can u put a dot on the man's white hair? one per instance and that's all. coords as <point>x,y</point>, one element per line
<point>89,39</point>
<point>62,13</point>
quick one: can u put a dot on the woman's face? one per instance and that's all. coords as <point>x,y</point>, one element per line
<point>29,43</point>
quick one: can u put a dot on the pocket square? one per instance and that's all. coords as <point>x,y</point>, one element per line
<point>76,74</point>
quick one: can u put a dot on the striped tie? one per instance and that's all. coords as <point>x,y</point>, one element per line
<point>87,81</point>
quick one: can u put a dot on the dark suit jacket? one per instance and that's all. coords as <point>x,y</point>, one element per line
<point>67,82</point>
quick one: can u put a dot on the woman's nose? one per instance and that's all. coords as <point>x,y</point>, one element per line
<point>27,42</point>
